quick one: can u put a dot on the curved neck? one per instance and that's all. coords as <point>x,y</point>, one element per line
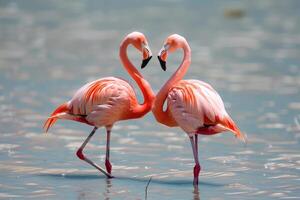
<point>163,116</point>
<point>139,109</point>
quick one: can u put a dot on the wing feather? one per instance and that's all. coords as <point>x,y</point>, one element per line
<point>195,104</point>
<point>198,108</point>
<point>103,100</point>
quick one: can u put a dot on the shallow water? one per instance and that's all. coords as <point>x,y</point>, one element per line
<point>49,49</point>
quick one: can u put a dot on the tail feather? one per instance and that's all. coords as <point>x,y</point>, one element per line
<point>62,109</point>
<point>231,126</point>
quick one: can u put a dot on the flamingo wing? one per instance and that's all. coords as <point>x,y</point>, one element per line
<point>98,103</point>
<point>198,108</point>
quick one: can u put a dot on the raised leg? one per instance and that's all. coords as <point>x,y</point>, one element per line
<point>82,157</point>
<point>107,162</point>
<point>197,168</point>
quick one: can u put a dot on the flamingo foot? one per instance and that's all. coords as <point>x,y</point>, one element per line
<point>197,169</point>
<point>108,166</point>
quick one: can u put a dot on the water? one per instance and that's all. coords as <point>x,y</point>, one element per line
<point>49,49</point>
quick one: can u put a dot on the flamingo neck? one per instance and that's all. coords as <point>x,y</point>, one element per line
<point>139,109</point>
<point>162,116</point>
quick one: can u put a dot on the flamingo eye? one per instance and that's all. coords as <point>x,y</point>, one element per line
<point>167,46</point>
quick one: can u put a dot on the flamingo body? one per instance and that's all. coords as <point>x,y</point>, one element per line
<point>192,105</point>
<point>198,109</point>
<point>107,100</point>
<point>99,103</point>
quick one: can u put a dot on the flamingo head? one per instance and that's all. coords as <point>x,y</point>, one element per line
<point>139,41</point>
<point>172,43</point>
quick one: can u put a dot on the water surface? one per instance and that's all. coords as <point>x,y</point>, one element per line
<point>49,49</point>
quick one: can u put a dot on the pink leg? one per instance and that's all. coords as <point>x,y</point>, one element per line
<point>107,162</point>
<point>197,168</point>
<point>80,155</point>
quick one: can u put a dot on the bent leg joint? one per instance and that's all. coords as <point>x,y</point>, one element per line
<point>79,154</point>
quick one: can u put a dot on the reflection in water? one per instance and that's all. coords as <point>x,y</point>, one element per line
<point>84,192</point>
<point>146,189</point>
<point>81,195</point>
<point>196,193</point>
<point>107,189</point>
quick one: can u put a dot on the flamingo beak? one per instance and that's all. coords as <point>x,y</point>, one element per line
<point>162,57</point>
<point>147,55</point>
<point>162,63</point>
<point>145,62</point>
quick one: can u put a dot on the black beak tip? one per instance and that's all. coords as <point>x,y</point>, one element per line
<point>145,62</point>
<point>162,63</point>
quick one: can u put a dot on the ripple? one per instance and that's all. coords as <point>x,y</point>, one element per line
<point>5,195</point>
<point>247,152</point>
<point>241,187</point>
<point>273,126</point>
<point>174,147</point>
<point>75,145</point>
<point>275,166</point>
<point>6,147</point>
<point>129,141</point>
<point>286,176</point>
<point>287,157</point>
<point>236,193</point>
<point>224,159</point>
<point>294,106</point>
<point>218,174</point>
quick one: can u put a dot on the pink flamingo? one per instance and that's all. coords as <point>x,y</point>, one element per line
<point>108,100</point>
<point>192,105</point>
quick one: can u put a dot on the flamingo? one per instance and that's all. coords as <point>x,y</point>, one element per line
<point>103,102</point>
<point>192,105</point>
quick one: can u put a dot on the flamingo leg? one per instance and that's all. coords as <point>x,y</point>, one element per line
<point>80,155</point>
<point>197,168</point>
<point>107,162</point>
